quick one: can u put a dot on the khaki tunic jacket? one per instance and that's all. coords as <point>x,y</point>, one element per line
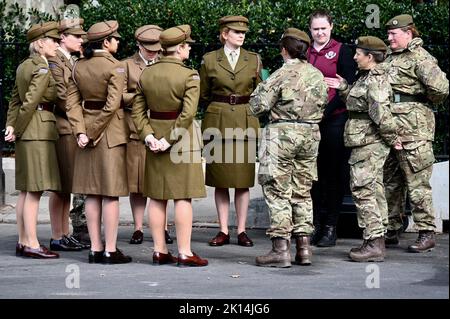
<point>134,66</point>
<point>34,84</point>
<point>168,86</point>
<point>61,69</point>
<point>218,78</point>
<point>106,84</point>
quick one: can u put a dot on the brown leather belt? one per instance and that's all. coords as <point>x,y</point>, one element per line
<point>60,113</point>
<point>170,115</point>
<point>232,99</point>
<point>98,105</point>
<point>45,107</point>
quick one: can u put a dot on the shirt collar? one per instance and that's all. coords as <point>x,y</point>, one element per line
<point>66,54</point>
<point>45,59</point>
<point>147,62</point>
<point>228,50</point>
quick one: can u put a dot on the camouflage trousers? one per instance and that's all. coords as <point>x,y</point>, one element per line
<point>77,213</point>
<point>366,183</point>
<point>288,167</point>
<point>395,191</point>
<point>416,165</point>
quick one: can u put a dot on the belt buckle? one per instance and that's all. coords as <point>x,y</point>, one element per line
<point>396,98</point>
<point>40,107</point>
<point>233,99</point>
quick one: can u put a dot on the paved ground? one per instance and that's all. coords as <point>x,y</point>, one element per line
<point>230,275</point>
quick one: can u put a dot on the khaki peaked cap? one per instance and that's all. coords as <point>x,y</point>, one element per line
<point>238,23</point>
<point>176,35</point>
<point>148,37</point>
<point>43,30</point>
<point>296,34</point>
<point>371,43</point>
<point>102,30</point>
<point>400,21</point>
<point>71,26</point>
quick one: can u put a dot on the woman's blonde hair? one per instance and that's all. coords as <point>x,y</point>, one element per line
<point>226,30</point>
<point>34,48</point>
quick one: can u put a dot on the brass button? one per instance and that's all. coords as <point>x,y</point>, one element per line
<point>232,108</point>
<point>233,77</point>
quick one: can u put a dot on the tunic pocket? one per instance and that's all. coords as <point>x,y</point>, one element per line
<point>47,116</point>
<point>419,157</point>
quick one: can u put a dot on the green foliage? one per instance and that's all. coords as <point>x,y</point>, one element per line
<point>268,19</point>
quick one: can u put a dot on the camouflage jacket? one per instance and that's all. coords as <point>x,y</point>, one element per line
<point>370,119</point>
<point>414,71</point>
<point>296,91</point>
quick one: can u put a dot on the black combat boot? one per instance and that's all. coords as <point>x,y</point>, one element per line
<point>392,237</point>
<point>316,235</point>
<point>329,237</point>
<point>279,256</point>
<point>425,242</point>
<point>371,250</point>
<point>304,252</point>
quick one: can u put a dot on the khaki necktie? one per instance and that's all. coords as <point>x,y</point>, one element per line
<point>233,59</point>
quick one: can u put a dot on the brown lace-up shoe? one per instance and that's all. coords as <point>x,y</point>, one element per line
<point>220,239</point>
<point>425,242</point>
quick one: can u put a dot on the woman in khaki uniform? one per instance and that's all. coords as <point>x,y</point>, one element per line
<point>147,38</point>
<point>31,123</point>
<point>66,145</point>
<point>228,77</point>
<point>169,91</point>
<point>97,118</point>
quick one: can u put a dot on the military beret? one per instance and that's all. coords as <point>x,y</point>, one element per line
<point>43,30</point>
<point>71,26</point>
<point>400,21</point>
<point>371,43</point>
<point>148,36</point>
<point>296,34</point>
<point>176,35</point>
<point>238,23</point>
<point>102,30</point>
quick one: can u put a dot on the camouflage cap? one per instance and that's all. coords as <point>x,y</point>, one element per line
<point>176,35</point>
<point>296,34</point>
<point>238,23</point>
<point>148,37</point>
<point>400,21</point>
<point>371,43</point>
<point>102,30</point>
<point>43,30</point>
<point>71,26</point>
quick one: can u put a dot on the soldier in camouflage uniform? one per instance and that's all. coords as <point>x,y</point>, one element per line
<point>369,132</point>
<point>417,82</point>
<point>295,95</point>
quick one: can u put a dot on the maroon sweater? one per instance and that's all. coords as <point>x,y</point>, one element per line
<point>334,58</point>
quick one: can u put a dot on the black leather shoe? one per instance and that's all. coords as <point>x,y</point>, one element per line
<point>95,257</point>
<point>137,238</point>
<point>115,257</point>
<point>63,244</point>
<point>169,239</point>
<point>74,241</point>
<point>391,237</point>
<point>19,249</point>
<point>329,237</point>
<point>244,240</point>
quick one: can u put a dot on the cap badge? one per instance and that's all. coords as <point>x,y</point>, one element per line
<point>394,22</point>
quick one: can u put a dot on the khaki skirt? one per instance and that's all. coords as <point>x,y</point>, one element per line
<point>101,170</point>
<point>165,179</point>
<point>135,166</point>
<point>66,147</point>
<point>37,166</point>
<point>226,170</point>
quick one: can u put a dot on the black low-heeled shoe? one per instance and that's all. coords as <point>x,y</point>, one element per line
<point>115,257</point>
<point>137,238</point>
<point>95,257</point>
<point>169,239</point>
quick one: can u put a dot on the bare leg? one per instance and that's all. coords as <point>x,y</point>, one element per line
<point>111,222</point>
<point>30,216</point>
<point>156,221</point>
<point>55,206</point>
<point>183,225</point>
<point>19,217</point>
<point>222,198</point>
<point>241,201</point>
<point>93,207</point>
<point>138,202</point>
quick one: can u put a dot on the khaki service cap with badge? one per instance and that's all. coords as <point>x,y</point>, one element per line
<point>148,37</point>
<point>296,34</point>
<point>71,26</point>
<point>102,30</point>
<point>400,21</point>
<point>171,37</point>
<point>371,43</point>
<point>238,23</point>
<point>43,30</point>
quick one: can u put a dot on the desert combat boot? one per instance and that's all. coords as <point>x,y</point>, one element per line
<point>371,250</point>
<point>279,256</point>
